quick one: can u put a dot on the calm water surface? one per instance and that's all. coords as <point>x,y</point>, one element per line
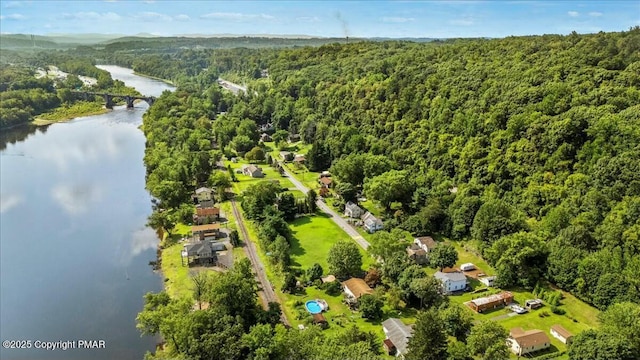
<point>74,248</point>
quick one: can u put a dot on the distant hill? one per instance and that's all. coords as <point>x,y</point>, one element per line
<point>196,41</point>
<point>17,41</point>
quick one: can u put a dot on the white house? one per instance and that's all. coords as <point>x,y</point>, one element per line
<point>426,243</point>
<point>451,281</point>
<point>371,223</point>
<point>562,334</point>
<point>352,210</point>
<point>525,342</point>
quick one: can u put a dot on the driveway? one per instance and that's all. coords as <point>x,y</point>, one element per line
<point>326,209</point>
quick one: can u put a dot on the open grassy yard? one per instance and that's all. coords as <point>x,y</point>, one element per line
<point>308,178</point>
<point>313,237</point>
<point>245,181</point>
<point>177,282</point>
<point>372,207</point>
<point>339,316</point>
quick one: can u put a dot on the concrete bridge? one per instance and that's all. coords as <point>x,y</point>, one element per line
<point>108,98</point>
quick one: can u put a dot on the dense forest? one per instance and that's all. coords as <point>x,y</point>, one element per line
<point>538,135</point>
<point>526,147</point>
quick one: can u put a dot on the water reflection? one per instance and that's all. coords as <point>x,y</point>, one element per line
<point>75,249</point>
<point>7,201</point>
<point>75,199</point>
<point>19,133</point>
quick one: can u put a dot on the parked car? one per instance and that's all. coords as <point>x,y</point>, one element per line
<point>518,309</point>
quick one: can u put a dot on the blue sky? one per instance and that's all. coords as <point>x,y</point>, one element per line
<point>440,19</point>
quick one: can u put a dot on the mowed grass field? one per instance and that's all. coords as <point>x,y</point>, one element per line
<point>313,237</point>
<point>177,280</point>
<point>245,181</point>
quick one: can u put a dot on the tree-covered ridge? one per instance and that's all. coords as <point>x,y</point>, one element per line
<point>538,134</point>
<point>529,145</point>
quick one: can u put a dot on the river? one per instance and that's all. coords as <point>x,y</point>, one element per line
<point>74,247</point>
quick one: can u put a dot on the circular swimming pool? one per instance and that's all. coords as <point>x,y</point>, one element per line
<point>313,307</point>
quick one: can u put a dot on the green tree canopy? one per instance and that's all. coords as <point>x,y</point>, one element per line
<point>429,340</point>
<point>344,259</point>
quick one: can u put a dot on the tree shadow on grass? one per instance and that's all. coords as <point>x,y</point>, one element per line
<point>301,221</point>
<point>550,350</point>
<point>172,240</point>
<point>295,250</point>
<point>323,215</point>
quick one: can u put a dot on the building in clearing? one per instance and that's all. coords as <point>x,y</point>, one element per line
<point>525,342</point>
<point>356,287</point>
<point>325,182</point>
<point>202,252</point>
<point>252,170</point>
<point>491,302</point>
<point>562,334</point>
<point>318,319</point>
<point>426,243</point>
<point>397,336</point>
<point>417,254</point>
<point>451,281</point>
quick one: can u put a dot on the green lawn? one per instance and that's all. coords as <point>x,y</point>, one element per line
<point>245,181</point>
<point>177,281</point>
<point>372,207</point>
<point>308,178</point>
<point>313,237</point>
<point>339,316</point>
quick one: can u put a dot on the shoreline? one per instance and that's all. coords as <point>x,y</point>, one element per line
<point>169,82</point>
<point>38,121</point>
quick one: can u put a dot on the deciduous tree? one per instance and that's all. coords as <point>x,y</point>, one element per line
<point>344,259</point>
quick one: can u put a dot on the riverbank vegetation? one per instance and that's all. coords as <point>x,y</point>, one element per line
<point>24,96</point>
<point>525,147</point>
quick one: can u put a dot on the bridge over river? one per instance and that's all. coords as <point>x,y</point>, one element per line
<point>108,98</point>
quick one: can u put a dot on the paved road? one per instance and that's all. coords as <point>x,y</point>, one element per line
<point>234,88</point>
<point>250,249</point>
<point>334,215</point>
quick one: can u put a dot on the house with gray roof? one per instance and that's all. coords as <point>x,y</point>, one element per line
<point>397,336</point>
<point>451,281</point>
<point>352,210</point>
<point>426,243</point>
<point>371,223</point>
<point>252,170</point>
<point>202,252</point>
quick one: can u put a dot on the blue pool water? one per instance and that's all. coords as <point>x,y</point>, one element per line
<point>313,307</point>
